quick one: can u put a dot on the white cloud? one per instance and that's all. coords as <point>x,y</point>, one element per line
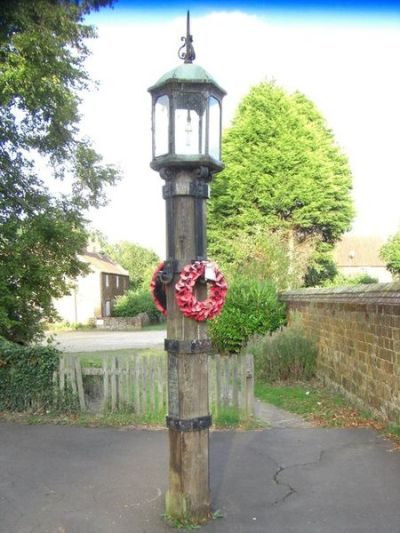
<point>349,72</point>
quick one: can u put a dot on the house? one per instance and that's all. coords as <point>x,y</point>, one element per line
<point>355,255</point>
<point>93,295</point>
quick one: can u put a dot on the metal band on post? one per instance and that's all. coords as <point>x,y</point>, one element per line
<point>189,424</point>
<point>190,347</point>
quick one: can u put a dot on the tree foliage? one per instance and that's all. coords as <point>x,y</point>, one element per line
<point>283,171</point>
<point>138,260</point>
<point>269,255</point>
<point>134,302</point>
<point>390,253</point>
<point>42,54</point>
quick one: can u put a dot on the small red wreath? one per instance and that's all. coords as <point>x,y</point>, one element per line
<point>157,289</point>
<point>187,302</point>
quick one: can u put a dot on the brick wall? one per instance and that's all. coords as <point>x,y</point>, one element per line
<point>358,332</point>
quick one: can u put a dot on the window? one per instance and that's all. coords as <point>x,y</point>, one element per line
<point>107,280</point>
<point>117,281</point>
<point>107,308</point>
<point>189,124</point>
<point>214,148</point>
<point>161,125</point>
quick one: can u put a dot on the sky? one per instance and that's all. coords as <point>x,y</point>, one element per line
<point>341,55</point>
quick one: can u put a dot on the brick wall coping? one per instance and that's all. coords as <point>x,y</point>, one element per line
<point>374,293</point>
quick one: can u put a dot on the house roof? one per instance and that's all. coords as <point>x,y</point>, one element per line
<point>102,263</point>
<point>360,251</point>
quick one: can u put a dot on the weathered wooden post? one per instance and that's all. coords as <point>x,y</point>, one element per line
<point>186,126</point>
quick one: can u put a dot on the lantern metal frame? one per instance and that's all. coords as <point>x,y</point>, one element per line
<point>186,87</point>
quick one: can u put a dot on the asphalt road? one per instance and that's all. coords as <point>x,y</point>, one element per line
<point>90,341</point>
<point>60,479</point>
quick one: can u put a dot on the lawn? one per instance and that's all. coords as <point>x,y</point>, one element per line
<point>323,407</point>
<point>315,403</point>
<point>95,359</point>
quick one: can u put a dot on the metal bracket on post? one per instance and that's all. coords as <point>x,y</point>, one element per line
<point>190,347</point>
<point>166,275</point>
<point>199,230</point>
<point>189,424</point>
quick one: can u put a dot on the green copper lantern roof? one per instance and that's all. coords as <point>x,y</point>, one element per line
<point>186,73</point>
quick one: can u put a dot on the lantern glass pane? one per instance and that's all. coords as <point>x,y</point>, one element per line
<point>161,124</point>
<point>214,141</point>
<point>190,123</point>
<point>188,134</point>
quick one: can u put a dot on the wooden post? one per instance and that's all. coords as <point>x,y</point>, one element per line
<point>79,383</point>
<point>114,383</point>
<point>188,346</point>
<point>249,385</point>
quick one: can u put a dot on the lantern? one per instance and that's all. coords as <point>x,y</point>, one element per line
<point>186,116</point>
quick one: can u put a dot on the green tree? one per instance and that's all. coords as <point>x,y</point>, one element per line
<point>390,253</point>
<point>265,255</point>
<point>283,172</point>
<point>42,74</point>
<point>139,261</point>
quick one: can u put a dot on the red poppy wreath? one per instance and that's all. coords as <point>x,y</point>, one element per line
<point>200,309</point>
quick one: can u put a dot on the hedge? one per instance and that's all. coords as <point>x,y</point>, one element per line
<point>26,376</point>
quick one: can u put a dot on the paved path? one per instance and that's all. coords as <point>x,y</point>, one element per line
<point>90,341</point>
<point>60,479</point>
<point>278,418</point>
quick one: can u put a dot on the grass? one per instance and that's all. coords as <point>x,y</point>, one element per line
<point>95,359</point>
<point>188,524</point>
<point>323,408</point>
<point>99,420</point>
<point>155,327</point>
<point>230,418</point>
<point>66,326</point>
<point>315,403</point>
<point>120,419</point>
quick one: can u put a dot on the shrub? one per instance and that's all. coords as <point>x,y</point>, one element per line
<point>390,253</point>
<point>26,376</point>
<point>340,280</point>
<point>264,254</point>
<point>134,302</point>
<point>289,354</point>
<point>251,307</point>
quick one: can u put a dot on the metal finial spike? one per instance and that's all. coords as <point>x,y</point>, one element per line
<point>189,54</point>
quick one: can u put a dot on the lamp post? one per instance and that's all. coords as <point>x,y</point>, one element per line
<point>186,136</point>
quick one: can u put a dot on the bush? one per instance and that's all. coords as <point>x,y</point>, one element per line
<point>251,307</point>
<point>340,280</point>
<point>289,354</point>
<point>134,302</point>
<point>26,376</point>
<point>390,253</point>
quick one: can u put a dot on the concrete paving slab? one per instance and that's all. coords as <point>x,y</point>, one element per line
<point>60,479</point>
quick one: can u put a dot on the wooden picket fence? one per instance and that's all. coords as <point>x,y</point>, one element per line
<point>138,383</point>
